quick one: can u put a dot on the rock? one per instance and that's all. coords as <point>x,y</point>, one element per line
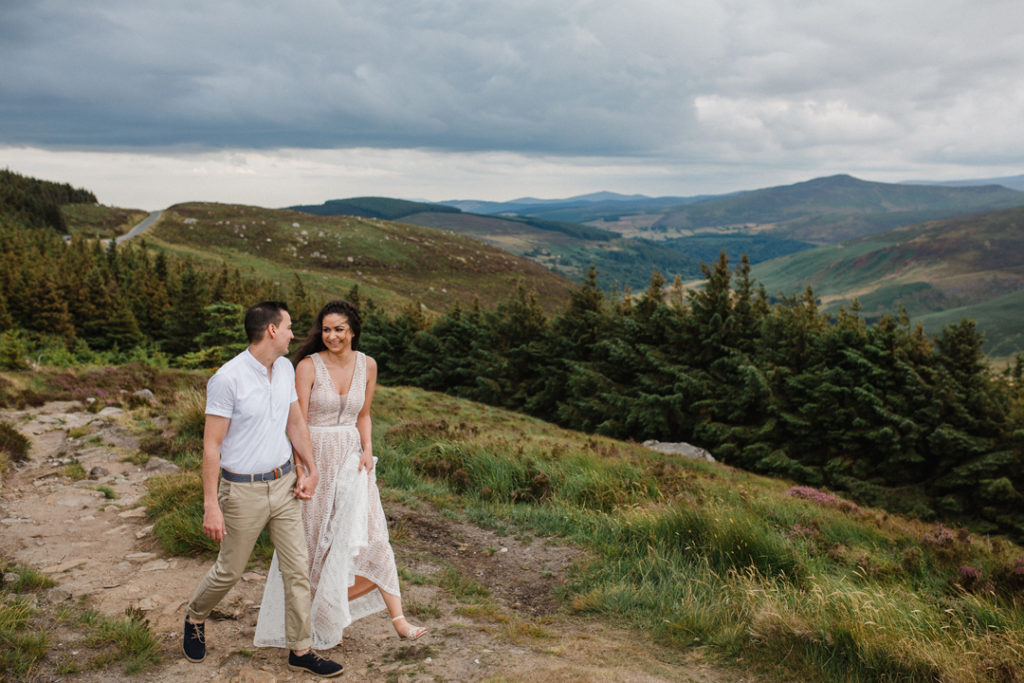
<point>140,556</point>
<point>11,577</point>
<point>66,449</point>
<point>155,566</point>
<point>110,411</point>
<point>144,531</point>
<point>97,472</point>
<point>159,465</point>
<point>58,594</point>
<point>144,396</point>
<point>134,512</point>
<point>680,448</point>
<point>63,566</point>
<point>219,613</point>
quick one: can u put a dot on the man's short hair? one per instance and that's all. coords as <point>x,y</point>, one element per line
<point>259,316</point>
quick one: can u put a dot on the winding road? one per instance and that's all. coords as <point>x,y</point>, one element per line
<point>142,227</point>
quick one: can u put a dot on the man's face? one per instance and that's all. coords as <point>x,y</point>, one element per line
<point>284,334</point>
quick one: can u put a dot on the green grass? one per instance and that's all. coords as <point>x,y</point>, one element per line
<point>694,553</point>
<point>107,492</point>
<point>462,587</point>
<point>26,645</point>
<point>128,640</point>
<point>75,471</point>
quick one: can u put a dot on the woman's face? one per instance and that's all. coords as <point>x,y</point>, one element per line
<point>336,333</point>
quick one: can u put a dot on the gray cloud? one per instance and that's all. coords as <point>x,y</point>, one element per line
<point>714,81</point>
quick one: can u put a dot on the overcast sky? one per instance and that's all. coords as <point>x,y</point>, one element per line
<point>284,102</point>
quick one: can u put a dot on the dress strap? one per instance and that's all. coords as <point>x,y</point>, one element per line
<point>360,373</point>
<point>321,375</point>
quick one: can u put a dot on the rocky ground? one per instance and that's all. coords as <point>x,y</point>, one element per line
<point>102,553</point>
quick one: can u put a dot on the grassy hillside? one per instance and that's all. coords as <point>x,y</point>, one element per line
<point>833,209</point>
<point>787,581</point>
<point>970,265</point>
<point>999,318</point>
<point>97,220</point>
<point>392,263</point>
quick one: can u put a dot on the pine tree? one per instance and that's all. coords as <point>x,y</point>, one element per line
<point>187,319</point>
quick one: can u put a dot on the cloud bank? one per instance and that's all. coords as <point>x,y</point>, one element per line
<point>702,87</point>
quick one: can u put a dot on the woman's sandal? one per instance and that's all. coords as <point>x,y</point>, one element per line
<point>413,633</point>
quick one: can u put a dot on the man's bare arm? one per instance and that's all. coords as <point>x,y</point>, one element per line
<point>298,434</point>
<point>213,436</point>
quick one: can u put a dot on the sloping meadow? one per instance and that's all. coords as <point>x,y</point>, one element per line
<point>780,577</point>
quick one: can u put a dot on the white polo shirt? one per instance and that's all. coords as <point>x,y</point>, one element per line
<point>258,408</point>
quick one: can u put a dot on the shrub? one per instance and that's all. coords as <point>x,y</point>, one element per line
<point>13,443</point>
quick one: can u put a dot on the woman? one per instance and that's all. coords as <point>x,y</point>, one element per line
<point>352,566</point>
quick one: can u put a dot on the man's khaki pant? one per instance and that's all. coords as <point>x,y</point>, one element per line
<point>247,509</point>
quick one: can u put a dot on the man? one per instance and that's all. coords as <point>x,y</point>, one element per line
<point>253,424</point>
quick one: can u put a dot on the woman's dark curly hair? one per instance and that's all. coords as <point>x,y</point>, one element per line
<point>314,342</point>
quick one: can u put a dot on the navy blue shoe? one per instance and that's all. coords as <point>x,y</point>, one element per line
<point>194,643</point>
<point>313,663</point>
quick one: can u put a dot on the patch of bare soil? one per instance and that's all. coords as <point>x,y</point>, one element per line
<point>102,553</point>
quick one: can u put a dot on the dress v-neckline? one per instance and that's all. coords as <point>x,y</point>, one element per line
<point>330,378</point>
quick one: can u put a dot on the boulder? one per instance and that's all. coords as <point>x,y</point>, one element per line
<point>158,465</point>
<point>143,396</point>
<point>680,448</point>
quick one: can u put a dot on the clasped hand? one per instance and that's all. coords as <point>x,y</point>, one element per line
<point>305,483</point>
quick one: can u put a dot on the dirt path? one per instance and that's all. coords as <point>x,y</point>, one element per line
<point>102,550</point>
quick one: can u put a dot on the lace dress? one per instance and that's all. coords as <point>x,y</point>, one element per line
<point>346,531</point>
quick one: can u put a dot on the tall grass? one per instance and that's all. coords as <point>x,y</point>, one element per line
<point>188,418</point>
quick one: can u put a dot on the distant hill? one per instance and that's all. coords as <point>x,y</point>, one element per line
<point>372,207</point>
<point>833,209</point>
<point>578,209</point>
<point>566,247</point>
<point>1014,182</point>
<point>970,265</point>
<point>393,263</point>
